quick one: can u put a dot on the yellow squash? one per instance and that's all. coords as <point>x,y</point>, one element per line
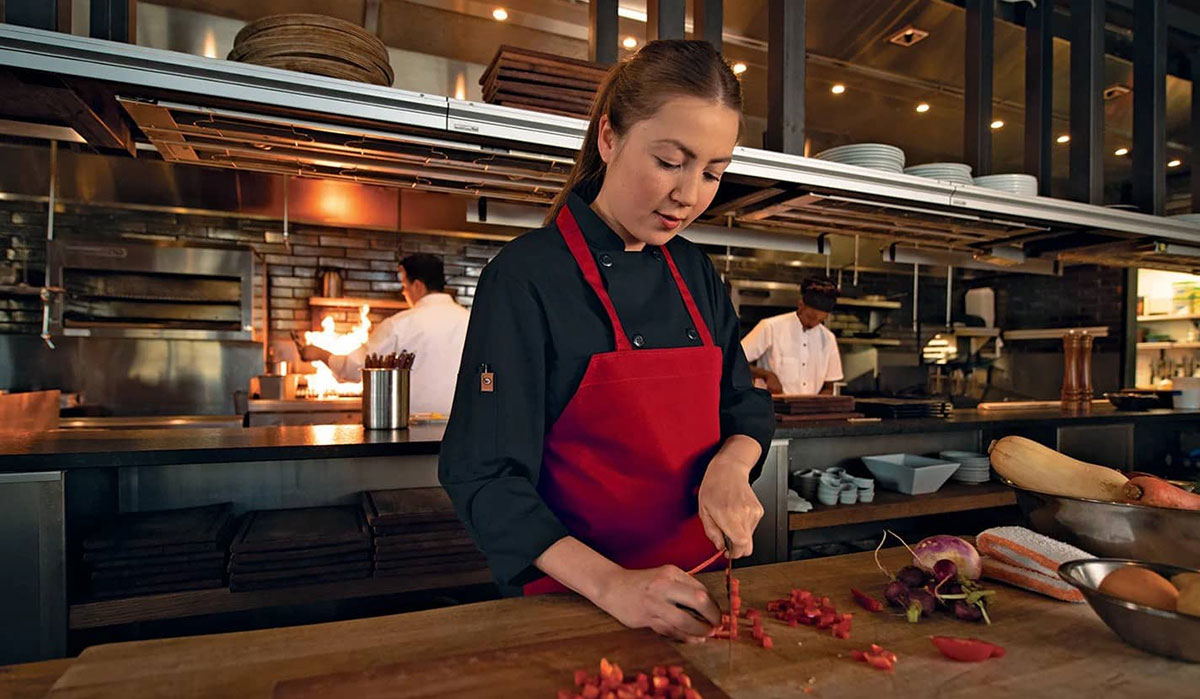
<point>1035,467</point>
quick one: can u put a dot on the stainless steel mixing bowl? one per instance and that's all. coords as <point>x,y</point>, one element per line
<point>1170,634</point>
<point>1115,530</point>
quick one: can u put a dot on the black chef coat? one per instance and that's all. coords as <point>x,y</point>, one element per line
<point>534,325</point>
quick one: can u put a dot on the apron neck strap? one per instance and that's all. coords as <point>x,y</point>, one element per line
<point>587,264</point>
<point>693,311</point>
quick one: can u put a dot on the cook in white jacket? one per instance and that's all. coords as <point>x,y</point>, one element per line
<point>434,328</point>
<point>800,355</point>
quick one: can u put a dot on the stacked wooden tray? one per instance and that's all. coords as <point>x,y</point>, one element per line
<point>305,546</point>
<point>314,44</point>
<point>796,409</point>
<point>901,408</point>
<point>144,553</point>
<point>540,81</point>
<point>418,533</point>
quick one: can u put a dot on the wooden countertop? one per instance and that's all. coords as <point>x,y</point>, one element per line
<point>1054,649</point>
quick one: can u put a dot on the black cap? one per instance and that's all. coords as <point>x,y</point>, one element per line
<point>819,294</point>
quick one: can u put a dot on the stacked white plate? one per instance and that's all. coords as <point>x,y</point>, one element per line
<point>1020,184</point>
<point>958,173</point>
<point>973,468</point>
<point>877,156</point>
<point>1188,218</point>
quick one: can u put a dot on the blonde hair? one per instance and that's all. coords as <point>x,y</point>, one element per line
<point>635,88</point>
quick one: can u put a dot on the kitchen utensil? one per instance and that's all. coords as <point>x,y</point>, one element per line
<point>1157,631</point>
<point>848,494</point>
<point>385,399</point>
<point>729,591</point>
<point>909,473</point>
<point>35,411</point>
<point>807,482</point>
<point>1114,530</point>
<point>1019,184</point>
<point>278,387</point>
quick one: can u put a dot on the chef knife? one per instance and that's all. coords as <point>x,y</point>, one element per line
<point>729,595</point>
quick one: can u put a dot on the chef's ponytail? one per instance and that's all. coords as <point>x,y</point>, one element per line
<point>635,88</point>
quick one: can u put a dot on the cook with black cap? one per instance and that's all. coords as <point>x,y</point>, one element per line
<point>798,353</point>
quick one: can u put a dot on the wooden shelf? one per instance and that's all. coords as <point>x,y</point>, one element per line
<point>1163,318</point>
<point>175,605</point>
<point>975,332</point>
<point>953,497</point>
<point>864,303</point>
<point>1167,345</point>
<point>1052,333</point>
<point>350,302</point>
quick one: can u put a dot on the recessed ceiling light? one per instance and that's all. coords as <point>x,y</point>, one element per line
<point>1121,151</point>
<point>998,124</point>
<point>838,89</point>
<point>908,36</point>
<point>629,42</point>
<point>1065,138</point>
<point>922,108</point>
<point>1175,163</point>
<point>739,68</point>
<point>499,14</point>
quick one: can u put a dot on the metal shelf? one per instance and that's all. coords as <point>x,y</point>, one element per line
<point>253,117</point>
<point>352,302</point>
<point>1051,333</point>
<point>865,303</point>
<point>876,341</point>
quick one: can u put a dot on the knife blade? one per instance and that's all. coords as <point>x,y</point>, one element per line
<point>729,596</point>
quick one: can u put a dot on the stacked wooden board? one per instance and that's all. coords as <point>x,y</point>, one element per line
<point>314,44</point>
<point>282,548</point>
<point>796,409</point>
<point>140,553</point>
<point>900,408</point>
<point>417,532</point>
<point>543,82</point>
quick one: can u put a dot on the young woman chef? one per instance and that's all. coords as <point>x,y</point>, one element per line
<point>605,428</point>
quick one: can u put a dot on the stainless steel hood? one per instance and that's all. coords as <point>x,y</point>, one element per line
<point>246,117</point>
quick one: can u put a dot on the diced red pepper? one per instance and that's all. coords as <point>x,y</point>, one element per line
<point>767,642</point>
<point>879,662</point>
<point>966,650</point>
<point>866,601</point>
<point>580,677</point>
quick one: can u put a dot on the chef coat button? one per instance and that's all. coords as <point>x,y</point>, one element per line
<point>638,341</point>
<point>656,254</point>
<point>606,260</point>
<point>692,334</point>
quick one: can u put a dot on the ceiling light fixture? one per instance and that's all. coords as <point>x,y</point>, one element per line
<point>629,42</point>
<point>997,124</point>
<point>1065,138</point>
<point>908,36</point>
<point>922,108</point>
<point>739,68</point>
<point>838,89</point>
<point>1175,163</point>
<point>1121,152</point>
<point>499,14</point>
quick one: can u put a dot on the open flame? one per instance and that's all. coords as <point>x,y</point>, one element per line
<point>324,384</point>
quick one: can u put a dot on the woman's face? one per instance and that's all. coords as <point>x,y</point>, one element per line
<point>664,171</point>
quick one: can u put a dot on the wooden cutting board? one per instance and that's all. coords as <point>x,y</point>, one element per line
<point>534,671</point>
<point>300,528</point>
<point>190,525</point>
<point>408,506</point>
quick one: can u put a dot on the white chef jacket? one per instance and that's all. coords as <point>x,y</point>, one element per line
<point>804,360</point>
<point>434,329</point>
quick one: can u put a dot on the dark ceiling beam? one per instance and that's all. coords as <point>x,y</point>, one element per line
<point>980,59</point>
<point>603,27</point>
<point>708,21</point>
<point>1087,102</point>
<point>786,56</point>
<point>1150,107</point>
<point>665,19</point>
<point>1039,94</point>
<point>1177,18</point>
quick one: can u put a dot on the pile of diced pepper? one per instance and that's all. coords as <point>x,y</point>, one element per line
<point>803,607</point>
<point>663,682</point>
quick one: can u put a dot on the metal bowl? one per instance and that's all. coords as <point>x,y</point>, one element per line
<point>1114,530</point>
<point>1170,634</point>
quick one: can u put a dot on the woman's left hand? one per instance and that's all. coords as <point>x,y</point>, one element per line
<point>728,506</point>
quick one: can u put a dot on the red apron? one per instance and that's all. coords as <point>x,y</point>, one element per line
<point>622,465</point>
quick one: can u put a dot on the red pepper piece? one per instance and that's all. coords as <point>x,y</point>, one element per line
<point>879,662</point>
<point>767,642</point>
<point>858,656</point>
<point>580,677</point>
<point>966,650</point>
<point>866,601</point>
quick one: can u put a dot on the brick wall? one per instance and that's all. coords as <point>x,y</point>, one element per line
<point>367,259</point>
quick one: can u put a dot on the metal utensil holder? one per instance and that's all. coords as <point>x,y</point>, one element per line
<point>385,399</point>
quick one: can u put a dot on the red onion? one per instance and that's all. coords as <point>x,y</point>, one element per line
<point>951,548</point>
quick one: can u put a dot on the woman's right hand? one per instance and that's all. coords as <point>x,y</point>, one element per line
<point>651,598</point>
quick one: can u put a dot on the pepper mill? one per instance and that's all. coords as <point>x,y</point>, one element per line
<point>1077,372</point>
